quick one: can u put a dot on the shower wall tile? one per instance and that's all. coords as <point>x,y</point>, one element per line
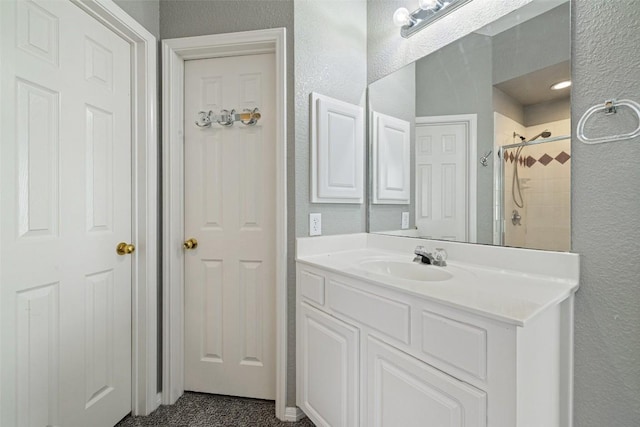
<point>545,179</point>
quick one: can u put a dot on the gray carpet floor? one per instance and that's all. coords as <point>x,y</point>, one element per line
<point>199,410</point>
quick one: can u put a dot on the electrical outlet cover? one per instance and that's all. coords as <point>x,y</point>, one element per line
<point>405,220</point>
<point>315,224</point>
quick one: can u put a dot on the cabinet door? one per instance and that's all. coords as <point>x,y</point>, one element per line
<point>327,369</point>
<point>403,391</point>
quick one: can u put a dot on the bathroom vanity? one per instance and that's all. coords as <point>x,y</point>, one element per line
<point>384,341</point>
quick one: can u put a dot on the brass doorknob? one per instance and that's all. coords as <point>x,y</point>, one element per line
<point>125,248</point>
<point>190,244</point>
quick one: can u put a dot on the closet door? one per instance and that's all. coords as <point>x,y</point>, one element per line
<point>230,207</point>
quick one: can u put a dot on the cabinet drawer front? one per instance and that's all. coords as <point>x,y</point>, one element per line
<point>382,314</point>
<point>312,286</point>
<point>403,391</point>
<point>457,344</point>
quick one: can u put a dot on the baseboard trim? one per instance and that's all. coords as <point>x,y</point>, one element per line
<point>293,413</point>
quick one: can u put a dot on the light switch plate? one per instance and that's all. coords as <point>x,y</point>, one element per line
<point>405,220</point>
<point>315,224</point>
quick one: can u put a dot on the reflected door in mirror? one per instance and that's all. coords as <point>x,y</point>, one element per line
<point>441,187</point>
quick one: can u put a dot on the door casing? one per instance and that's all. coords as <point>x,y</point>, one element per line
<point>144,197</point>
<point>174,53</point>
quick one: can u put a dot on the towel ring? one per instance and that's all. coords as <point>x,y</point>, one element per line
<point>610,107</point>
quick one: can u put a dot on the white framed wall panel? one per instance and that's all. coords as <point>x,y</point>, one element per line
<point>391,167</point>
<point>337,151</point>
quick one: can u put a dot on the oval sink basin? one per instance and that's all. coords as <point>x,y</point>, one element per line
<point>407,270</point>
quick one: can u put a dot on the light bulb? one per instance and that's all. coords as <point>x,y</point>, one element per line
<point>401,17</point>
<point>561,85</point>
<point>428,4</point>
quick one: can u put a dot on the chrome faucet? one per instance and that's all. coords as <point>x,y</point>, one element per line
<point>437,257</point>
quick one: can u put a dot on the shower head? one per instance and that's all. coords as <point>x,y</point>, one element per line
<point>544,134</point>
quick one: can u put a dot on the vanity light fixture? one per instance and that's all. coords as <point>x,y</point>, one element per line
<point>561,85</point>
<point>428,12</point>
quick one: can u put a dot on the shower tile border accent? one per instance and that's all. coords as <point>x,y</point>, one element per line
<point>562,158</point>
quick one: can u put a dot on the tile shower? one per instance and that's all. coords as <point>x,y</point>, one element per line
<point>544,175</point>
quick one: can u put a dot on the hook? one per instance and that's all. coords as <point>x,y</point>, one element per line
<point>484,160</point>
<point>253,114</point>
<point>204,121</point>
<point>226,118</point>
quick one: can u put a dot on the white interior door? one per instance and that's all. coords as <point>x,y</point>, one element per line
<point>230,206</point>
<point>66,204</point>
<point>441,181</point>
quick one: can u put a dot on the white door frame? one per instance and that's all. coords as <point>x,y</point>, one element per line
<point>174,53</point>
<point>144,197</point>
<point>471,123</point>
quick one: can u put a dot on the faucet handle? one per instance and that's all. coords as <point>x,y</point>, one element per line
<point>419,250</point>
<point>440,256</point>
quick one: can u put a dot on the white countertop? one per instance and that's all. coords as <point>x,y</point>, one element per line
<point>513,295</point>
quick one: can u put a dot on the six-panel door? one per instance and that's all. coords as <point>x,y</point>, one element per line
<point>66,204</point>
<point>230,193</point>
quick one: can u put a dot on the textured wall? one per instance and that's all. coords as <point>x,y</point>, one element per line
<point>146,12</point>
<point>393,95</point>
<point>606,201</point>
<point>184,18</point>
<point>389,52</point>
<point>331,59</point>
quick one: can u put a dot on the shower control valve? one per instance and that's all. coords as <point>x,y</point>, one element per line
<point>515,217</point>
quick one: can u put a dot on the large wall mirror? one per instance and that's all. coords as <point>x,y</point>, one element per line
<point>472,142</point>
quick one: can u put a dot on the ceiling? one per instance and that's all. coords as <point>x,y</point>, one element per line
<point>527,90</point>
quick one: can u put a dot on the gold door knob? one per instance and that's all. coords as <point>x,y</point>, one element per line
<point>125,248</point>
<point>190,244</point>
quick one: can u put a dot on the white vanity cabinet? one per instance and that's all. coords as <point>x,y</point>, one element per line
<point>376,356</point>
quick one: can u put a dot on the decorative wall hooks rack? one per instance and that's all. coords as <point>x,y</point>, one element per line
<point>610,107</point>
<point>227,118</point>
